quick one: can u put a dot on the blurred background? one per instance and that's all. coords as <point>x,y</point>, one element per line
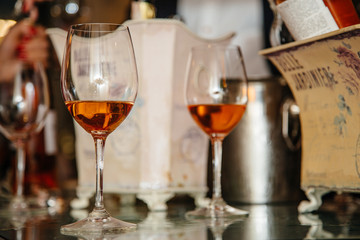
<point>51,154</point>
<point>207,18</point>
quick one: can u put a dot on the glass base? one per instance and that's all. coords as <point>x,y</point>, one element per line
<point>16,213</point>
<point>19,206</point>
<point>217,209</point>
<point>97,227</point>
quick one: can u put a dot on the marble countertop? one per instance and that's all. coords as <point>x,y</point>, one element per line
<point>338,218</point>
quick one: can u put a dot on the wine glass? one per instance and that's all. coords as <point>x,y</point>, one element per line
<point>24,103</point>
<point>216,95</point>
<point>99,84</point>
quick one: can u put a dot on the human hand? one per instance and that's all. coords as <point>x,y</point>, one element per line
<point>23,43</point>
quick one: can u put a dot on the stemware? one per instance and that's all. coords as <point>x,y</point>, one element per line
<point>99,85</point>
<point>216,95</point>
<point>24,103</point>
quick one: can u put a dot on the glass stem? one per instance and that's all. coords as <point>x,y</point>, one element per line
<point>216,144</point>
<point>20,170</point>
<point>99,210</point>
<point>18,203</point>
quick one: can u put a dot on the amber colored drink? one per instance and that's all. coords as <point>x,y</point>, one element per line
<point>217,120</point>
<point>99,117</point>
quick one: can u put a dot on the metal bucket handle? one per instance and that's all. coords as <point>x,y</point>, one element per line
<point>290,110</point>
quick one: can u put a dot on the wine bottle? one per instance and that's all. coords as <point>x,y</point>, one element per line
<point>306,18</point>
<point>343,12</point>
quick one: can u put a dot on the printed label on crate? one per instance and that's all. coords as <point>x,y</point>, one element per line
<point>324,76</point>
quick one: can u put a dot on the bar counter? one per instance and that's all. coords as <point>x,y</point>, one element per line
<point>336,219</point>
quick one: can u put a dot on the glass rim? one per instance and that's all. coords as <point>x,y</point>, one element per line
<point>77,27</point>
<point>211,46</point>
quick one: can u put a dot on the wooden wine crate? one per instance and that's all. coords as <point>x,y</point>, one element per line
<point>323,73</point>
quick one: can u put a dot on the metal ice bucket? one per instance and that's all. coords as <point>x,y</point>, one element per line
<point>261,157</point>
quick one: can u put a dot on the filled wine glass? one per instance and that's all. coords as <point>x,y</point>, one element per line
<point>24,104</point>
<point>99,85</point>
<point>216,95</point>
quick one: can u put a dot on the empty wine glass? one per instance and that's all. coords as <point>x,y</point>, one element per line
<point>99,85</point>
<point>24,103</point>
<point>216,95</point>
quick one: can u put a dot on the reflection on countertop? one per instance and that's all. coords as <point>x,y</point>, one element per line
<point>338,218</point>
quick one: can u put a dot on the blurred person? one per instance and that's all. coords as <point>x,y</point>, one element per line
<point>23,42</point>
